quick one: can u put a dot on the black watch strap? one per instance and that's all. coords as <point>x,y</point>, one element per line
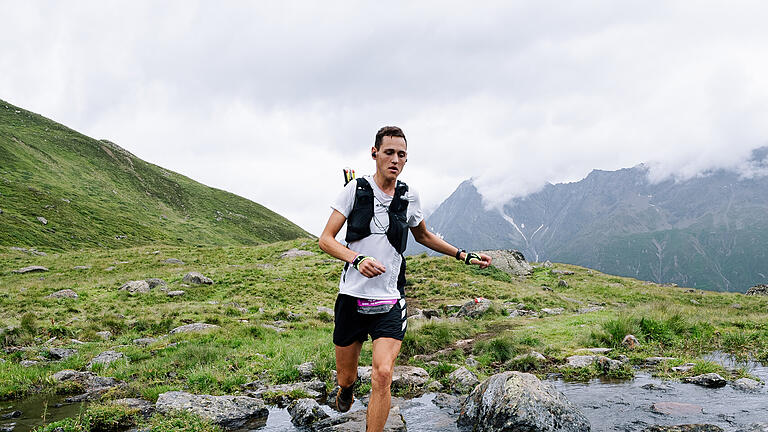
<point>458,254</point>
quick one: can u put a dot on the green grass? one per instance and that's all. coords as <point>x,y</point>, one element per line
<point>94,194</point>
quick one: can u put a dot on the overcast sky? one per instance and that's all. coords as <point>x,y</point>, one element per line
<point>270,100</point>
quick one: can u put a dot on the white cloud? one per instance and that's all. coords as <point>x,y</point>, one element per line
<point>271,100</point>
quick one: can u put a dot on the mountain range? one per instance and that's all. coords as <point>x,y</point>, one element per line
<point>708,232</point>
<point>61,190</point>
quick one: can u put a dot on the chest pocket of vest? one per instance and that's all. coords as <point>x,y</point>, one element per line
<point>359,220</point>
<point>398,219</point>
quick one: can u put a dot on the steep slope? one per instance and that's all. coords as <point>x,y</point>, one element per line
<point>706,232</point>
<point>94,193</point>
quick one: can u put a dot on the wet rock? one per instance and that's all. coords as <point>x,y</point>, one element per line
<point>510,261</point>
<point>31,269</point>
<point>228,412</point>
<point>448,402</point>
<point>175,293</point>
<point>106,358</point>
<point>306,370</point>
<point>653,361</point>
<point>173,261</point>
<point>145,341</point>
<point>42,220</point>
<point>630,341</point>
<point>657,387</point>
<point>712,379</point>
<point>304,412</point>
<point>194,328</point>
<point>462,380</point>
<point>196,278</point>
<point>145,407</point>
<point>10,415</point>
<point>355,422</point>
<point>475,308</point>
<point>61,353</point>
<point>403,377</point>
<point>65,293</point>
<point>293,253</point>
<point>676,408</point>
<point>684,368</point>
<point>135,287</point>
<point>608,365</point>
<point>684,428</point>
<point>520,401</point>
<point>156,282</point>
<point>746,384</point>
<point>761,289</point>
<point>104,335</point>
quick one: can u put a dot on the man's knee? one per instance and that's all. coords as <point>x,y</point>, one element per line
<point>381,376</point>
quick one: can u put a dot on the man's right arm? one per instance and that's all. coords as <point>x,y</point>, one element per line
<point>331,246</point>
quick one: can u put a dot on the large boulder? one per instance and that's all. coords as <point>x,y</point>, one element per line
<point>237,413</point>
<point>463,380</point>
<point>93,385</point>
<point>355,422</point>
<point>707,380</point>
<point>512,401</point>
<point>475,308</point>
<point>761,289</point>
<point>196,278</point>
<point>510,261</point>
<point>304,412</point>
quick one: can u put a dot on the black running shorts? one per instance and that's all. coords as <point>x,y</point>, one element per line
<point>352,326</point>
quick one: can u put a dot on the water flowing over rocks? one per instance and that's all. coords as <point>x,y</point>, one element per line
<point>65,293</point>
<point>746,384</point>
<point>475,308</point>
<point>196,278</point>
<point>31,269</point>
<point>684,428</point>
<point>707,380</point>
<point>293,253</point>
<point>135,287</point>
<point>676,408</point>
<point>194,328</point>
<point>304,412</point>
<point>510,261</point>
<point>512,401</point>
<point>761,289</point>
<point>235,413</point>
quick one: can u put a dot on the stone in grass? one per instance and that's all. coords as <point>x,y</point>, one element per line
<point>176,293</point>
<point>65,293</point>
<point>42,220</point>
<point>81,267</point>
<point>306,370</point>
<point>228,412</point>
<point>196,278</point>
<point>293,253</point>
<point>135,287</point>
<point>145,341</point>
<point>520,401</point>
<point>462,380</point>
<point>403,377</point>
<point>173,261</point>
<point>580,361</point>
<point>156,282</point>
<point>31,269</point>
<point>106,358</point>
<point>194,328</point>
<point>304,412</point>
<point>746,384</point>
<point>61,353</point>
<point>475,308</point>
<point>145,407</point>
<point>28,363</point>
<point>711,379</point>
<point>104,335</point>
<point>630,341</point>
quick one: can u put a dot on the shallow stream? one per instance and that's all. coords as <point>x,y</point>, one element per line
<point>609,406</point>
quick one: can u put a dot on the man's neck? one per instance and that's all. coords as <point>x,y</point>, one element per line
<point>386,186</point>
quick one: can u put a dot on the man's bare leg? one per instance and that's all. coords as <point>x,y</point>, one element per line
<point>385,352</point>
<point>346,363</point>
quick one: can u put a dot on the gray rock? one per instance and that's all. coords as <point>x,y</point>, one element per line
<point>237,413</point>
<point>761,289</point>
<point>552,311</point>
<point>304,412</point>
<point>533,355</point>
<point>707,380</point>
<point>471,361</point>
<point>306,370</point>
<point>109,269</point>
<point>630,341</point>
<point>283,394</point>
<point>176,293</point>
<point>657,387</point>
<point>323,309</point>
<point>106,358</point>
<point>61,353</point>
<point>510,261</point>
<point>42,220</point>
<point>81,268</point>
<point>173,261</point>
<point>580,361</point>
<point>746,384</point>
<point>144,407</point>
<point>511,401</point>
<point>196,278</point>
<point>145,341</point>
<point>684,368</point>
<point>104,335</point>
<point>403,377</point>
<point>31,269</point>
<point>448,402</point>
<point>462,380</point>
<point>561,272</point>
<point>562,284</point>
<point>135,287</point>
<point>194,328</point>
<point>475,308</point>
<point>293,253</point>
<point>355,422</point>
<point>28,363</point>
<point>65,293</point>
<point>93,384</point>
<point>596,350</point>
<point>590,309</point>
<point>155,282</point>
<point>608,365</point>
<point>434,387</point>
<point>755,427</point>
<point>653,361</point>
<point>547,264</point>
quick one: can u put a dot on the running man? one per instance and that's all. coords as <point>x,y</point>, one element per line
<point>379,210</point>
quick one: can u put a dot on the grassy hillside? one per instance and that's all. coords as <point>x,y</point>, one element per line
<point>254,287</point>
<point>94,193</point>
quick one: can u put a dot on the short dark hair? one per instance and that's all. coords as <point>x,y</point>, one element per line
<point>390,131</point>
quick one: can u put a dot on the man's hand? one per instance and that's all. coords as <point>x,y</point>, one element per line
<point>369,267</point>
<point>478,259</point>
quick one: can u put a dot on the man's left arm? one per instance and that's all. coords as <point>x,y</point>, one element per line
<point>437,244</point>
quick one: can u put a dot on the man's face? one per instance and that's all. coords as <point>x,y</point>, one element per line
<point>391,157</point>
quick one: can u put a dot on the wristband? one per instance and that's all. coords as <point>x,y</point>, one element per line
<point>458,254</point>
<point>359,260</point>
<point>470,256</point>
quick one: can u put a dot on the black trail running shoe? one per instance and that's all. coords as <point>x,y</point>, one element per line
<point>344,398</point>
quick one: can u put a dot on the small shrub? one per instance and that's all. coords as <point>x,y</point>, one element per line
<point>612,332</point>
<point>28,323</point>
<point>500,349</point>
